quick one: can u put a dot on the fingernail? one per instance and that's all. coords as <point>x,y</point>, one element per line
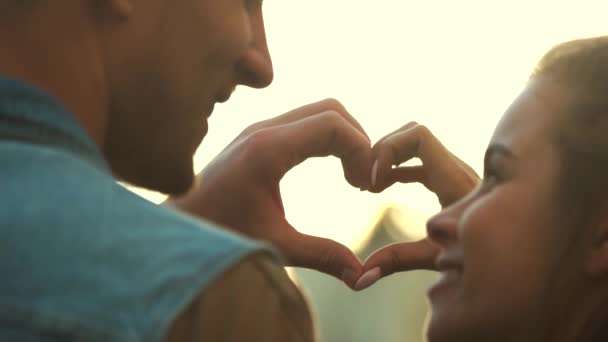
<point>368,279</point>
<point>349,276</point>
<point>374,173</point>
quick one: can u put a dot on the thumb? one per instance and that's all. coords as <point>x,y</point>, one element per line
<point>397,257</point>
<point>325,255</point>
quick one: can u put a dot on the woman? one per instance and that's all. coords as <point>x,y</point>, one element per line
<point>523,257</point>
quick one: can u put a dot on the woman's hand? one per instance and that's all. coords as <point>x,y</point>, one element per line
<point>441,172</point>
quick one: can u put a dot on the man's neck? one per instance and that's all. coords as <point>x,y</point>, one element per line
<point>53,48</point>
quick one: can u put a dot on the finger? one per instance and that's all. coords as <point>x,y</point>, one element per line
<point>307,111</point>
<point>409,174</point>
<point>398,257</point>
<point>393,150</point>
<point>402,128</point>
<point>321,135</point>
<point>405,174</point>
<point>415,141</point>
<point>324,255</point>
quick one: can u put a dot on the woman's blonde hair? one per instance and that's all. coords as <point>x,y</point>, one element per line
<point>581,137</point>
<point>581,66</point>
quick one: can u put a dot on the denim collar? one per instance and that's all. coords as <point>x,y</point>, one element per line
<point>28,114</point>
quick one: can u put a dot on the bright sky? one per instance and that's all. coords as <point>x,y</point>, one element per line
<point>453,66</point>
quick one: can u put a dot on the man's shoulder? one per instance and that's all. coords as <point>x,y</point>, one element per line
<point>80,252</point>
<point>59,204</point>
<point>50,189</point>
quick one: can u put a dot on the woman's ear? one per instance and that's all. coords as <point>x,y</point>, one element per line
<point>597,263</point>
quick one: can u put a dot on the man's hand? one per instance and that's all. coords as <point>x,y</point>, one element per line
<point>441,172</point>
<point>240,190</point>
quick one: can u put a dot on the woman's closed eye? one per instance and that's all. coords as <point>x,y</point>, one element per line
<point>494,167</point>
<point>491,178</point>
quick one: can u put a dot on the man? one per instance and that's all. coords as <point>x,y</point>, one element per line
<point>94,91</point>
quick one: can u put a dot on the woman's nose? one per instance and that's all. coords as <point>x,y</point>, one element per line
<point>442,229</point>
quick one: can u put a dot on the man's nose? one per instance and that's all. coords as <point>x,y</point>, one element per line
<point>255,67</point>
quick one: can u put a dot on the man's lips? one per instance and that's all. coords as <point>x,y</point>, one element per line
<point>220,98</point>
<point>224,95</point>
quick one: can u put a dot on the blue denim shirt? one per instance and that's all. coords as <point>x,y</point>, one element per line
<point>82,258</point>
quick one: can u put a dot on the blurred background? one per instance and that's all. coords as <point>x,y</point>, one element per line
<point>453,66</point>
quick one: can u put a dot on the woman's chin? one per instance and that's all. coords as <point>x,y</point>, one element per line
<point>444,324</point>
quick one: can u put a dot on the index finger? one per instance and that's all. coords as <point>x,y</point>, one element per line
<point>411,142</point>
<point>320,135</point>
<point>398,257</point>
<point>308,111</point>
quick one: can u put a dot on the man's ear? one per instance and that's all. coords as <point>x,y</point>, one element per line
<point>120,9</point>
<point>597,263</point>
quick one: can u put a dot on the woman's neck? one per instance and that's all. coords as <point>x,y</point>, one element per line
<point>580,317</point>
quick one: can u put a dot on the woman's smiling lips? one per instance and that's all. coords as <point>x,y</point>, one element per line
<point>451,272</point>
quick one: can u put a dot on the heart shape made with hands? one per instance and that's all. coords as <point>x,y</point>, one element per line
<point>324,207</point>
<point>240,188</point>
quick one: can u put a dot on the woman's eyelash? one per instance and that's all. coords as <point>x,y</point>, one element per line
<point>490,178</point>
<point>489,172</point>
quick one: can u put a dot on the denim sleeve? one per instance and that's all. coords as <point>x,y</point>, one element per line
<point>83,259</point>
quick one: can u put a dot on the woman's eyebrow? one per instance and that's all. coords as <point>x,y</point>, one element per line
<point>498,149</point>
